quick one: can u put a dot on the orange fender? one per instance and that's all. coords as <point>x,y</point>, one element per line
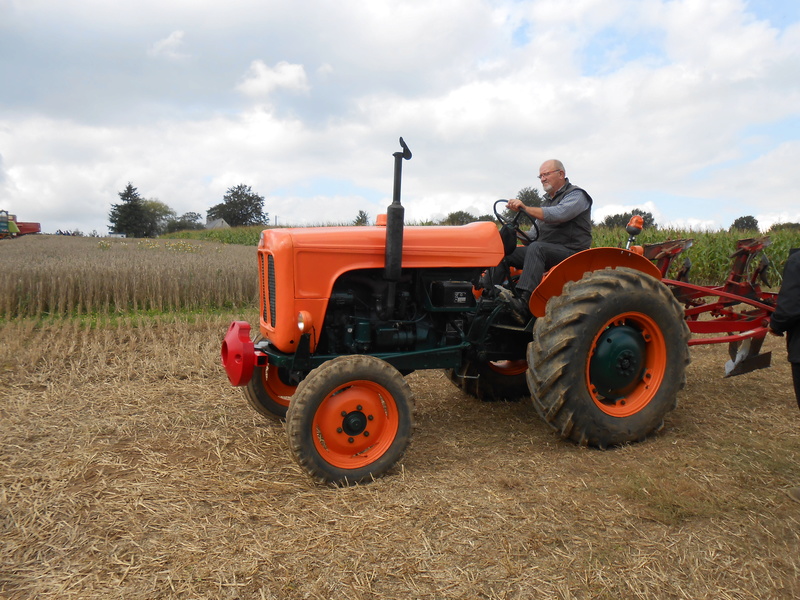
<point>574,267</point>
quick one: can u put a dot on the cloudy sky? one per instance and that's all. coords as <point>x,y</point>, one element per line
<point>689,109</point>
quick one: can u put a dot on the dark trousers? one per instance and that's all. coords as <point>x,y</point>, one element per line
<point>534,260</point>
<point>796,380</point>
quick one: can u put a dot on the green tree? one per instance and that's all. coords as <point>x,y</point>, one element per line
<point>240,206</point>
<point>748,223</point>
<point>621,219</point>
<point>785,227</point>
<point>129,217</point>
<point>459,217</point>
<point>156,216</point>
<point>186,222</point>
<point>529,196</point>
<point>362,218</point>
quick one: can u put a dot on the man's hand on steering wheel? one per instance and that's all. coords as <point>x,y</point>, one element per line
<point>514,222</point>
<point>516,205</point>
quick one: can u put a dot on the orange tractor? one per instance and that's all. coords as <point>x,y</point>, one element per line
<point>347,312</point>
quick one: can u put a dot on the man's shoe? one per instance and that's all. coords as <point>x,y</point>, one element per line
<point>484,282</point>
<point>518,306</point>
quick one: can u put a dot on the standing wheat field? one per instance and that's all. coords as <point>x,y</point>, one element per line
<point>131,469</point>
<point>56,276</point>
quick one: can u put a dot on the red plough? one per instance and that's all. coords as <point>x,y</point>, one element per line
<point>736,313</point>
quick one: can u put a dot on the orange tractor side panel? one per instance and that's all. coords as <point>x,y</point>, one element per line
<point>577,265</point>
<point>317,257</point>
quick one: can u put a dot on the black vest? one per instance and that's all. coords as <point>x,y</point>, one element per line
<point>575,234</point>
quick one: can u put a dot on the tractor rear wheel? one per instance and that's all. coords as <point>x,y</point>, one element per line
<point>609,357</point>
<point>350,420</point>
<point>492,381</point>
<point>267,393</point>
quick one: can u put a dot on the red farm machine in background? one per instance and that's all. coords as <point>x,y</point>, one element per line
<point>11,228</point>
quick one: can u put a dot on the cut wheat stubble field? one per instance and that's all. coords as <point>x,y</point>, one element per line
<point>129,468</point>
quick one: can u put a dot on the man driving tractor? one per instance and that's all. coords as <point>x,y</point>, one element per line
<point>565,227</point>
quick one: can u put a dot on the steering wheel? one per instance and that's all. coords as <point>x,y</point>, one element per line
<point>514,223</point>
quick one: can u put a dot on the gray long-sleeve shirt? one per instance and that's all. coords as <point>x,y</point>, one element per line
<point>571,205</point>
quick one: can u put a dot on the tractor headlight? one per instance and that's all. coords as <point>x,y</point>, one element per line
<point>304,321</point>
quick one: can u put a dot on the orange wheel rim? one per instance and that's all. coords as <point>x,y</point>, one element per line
<point>355,424</point>
<point>276,389</point>
<point>645,386</point>
<point>509,367</point>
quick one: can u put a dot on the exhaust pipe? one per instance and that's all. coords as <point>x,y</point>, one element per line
<point>394,231</point>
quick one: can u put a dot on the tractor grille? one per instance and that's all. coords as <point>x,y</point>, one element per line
<point>262,279</point>
<point>270,282</point>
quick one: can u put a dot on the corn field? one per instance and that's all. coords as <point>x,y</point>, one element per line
<point>245,236</point>
<point>710,253</point>
<point>72,276</point>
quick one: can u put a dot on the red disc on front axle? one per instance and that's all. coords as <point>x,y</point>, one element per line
<point>238,354</point>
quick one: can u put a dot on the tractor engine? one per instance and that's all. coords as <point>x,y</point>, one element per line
<point>430,310</point>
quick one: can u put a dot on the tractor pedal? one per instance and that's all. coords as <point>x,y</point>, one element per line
<point>517,305</point>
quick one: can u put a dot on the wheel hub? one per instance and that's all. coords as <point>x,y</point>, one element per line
<point>354,423</point>
<point>618,361</point>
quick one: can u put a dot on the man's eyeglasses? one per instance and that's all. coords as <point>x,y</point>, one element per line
<point>543,175</point>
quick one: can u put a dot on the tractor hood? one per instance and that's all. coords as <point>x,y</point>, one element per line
<point>327,252</point>
<point>298,267</point>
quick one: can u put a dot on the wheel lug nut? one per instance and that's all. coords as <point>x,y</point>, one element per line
<point>338,430</point>
<point>366,434</point>
<point>350,440</point>
<point>370,417</point>
<point>358,407</point>
<point>344,413</point>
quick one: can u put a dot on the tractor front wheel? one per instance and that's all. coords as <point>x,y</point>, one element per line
<point>608,358</point>
<point>350,420</point>
<point>267,393</point>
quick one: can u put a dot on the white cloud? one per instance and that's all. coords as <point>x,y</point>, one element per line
<point>170,47</point>
<point>718,37</point>
<point>261,80</point>
<point>689,110</point>
<point>325,70</point>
